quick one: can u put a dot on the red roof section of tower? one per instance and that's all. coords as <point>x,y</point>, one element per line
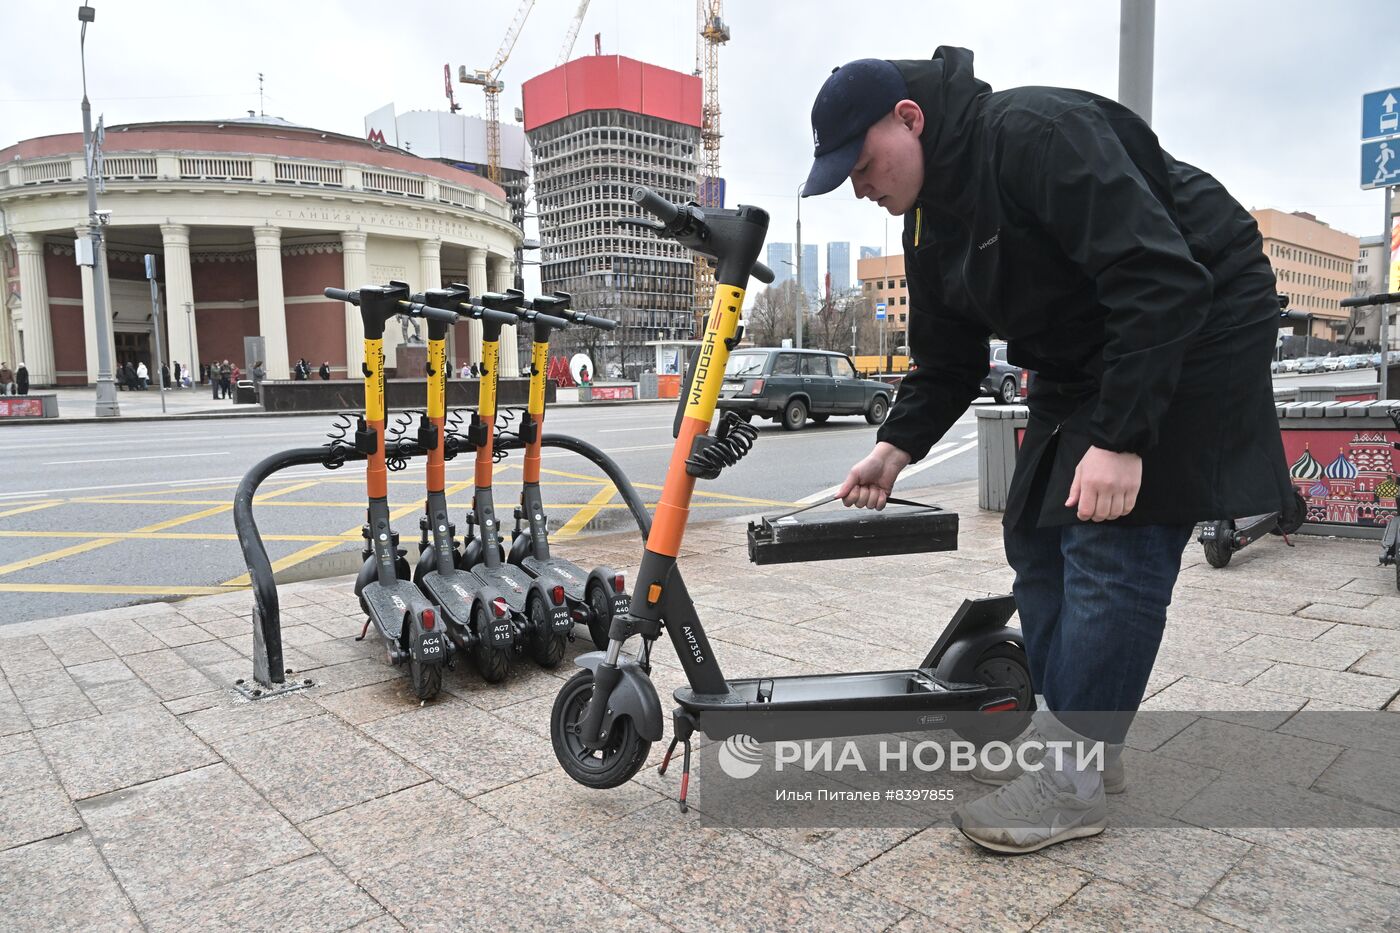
<point>611,82</point>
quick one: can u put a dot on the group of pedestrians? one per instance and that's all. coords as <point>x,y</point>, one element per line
<point>14,382</point>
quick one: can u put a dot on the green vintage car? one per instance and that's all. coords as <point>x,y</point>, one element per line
<point>790,386</point>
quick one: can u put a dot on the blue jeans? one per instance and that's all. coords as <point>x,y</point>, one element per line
<point>1093,604</point>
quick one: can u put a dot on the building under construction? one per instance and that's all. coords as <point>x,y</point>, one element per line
<point>599,126</point>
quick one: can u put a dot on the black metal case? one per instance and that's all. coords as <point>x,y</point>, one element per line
<point>901,528</point>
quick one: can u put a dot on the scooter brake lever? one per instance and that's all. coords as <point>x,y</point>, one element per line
<point>644,224</point>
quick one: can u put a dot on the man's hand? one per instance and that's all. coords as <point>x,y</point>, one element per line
<point>871,481</point>
<point>1105,485</point>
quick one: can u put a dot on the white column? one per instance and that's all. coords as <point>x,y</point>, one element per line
<point>34,293</point>
<point>7,346</point>
<point>430,276</point>
<point>179,292</point>
<point>272,308</point>
<point>89,313</point>
<point>356,265</point>
<point>502,279</point>
<point>476,281</point>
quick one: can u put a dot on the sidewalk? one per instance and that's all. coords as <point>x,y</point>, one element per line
<point>78,406</point>
<point>138,790</point>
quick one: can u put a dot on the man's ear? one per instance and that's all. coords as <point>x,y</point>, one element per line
<point>911,115</point>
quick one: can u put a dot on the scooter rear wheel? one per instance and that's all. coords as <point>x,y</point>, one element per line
<point>612,765</point>
<point>491,662</point>
<point>546,647</point>
<point>600,616</point>
<point>1003,666</point>
<point>426,679</point>
<point>1218,553</point>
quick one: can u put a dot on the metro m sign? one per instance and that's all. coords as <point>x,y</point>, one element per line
<point>376,136</point>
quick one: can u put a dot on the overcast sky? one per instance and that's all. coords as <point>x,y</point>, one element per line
<point>1264,95</point>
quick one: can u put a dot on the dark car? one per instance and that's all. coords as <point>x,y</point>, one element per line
<point>790,386</point>
<point>1003,381</point>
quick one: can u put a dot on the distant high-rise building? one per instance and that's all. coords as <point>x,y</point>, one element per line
<point>866,252</point>
<point>809,270</point>
<point>780,261</point>
<point>600,126</point>
<point>838,266</point>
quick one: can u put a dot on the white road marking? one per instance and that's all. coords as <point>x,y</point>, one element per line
<point>832,490</point>
<point>214,453</point>
<point>934,461</point>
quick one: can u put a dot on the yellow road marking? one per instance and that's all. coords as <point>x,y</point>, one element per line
<point>110,590</point>
<point>586,514</point>
<point>34,507</point>
<point>164,536</point>
<point>104,541</point>
<point>306,553</point>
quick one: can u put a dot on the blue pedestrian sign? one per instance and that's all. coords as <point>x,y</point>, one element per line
<point>1380,163</point>
<point>1380,113</point>
<point>880,311</point>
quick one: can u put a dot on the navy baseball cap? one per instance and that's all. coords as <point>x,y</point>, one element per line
<point>853,99</point>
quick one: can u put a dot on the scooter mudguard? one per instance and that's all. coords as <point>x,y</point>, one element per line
<point>959,662</point>
<point>500,631</point>
<point>621,602</point>
<point>561,620</point>
<point>634,697</point>
<point>427,647</point>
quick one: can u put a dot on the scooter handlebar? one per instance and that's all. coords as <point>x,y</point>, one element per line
<point>418,309</point>
<point>669,214</point>
<point>654,203</point>
<point>592,320</point>
<point>340,294</point>
<point>1361,301</point>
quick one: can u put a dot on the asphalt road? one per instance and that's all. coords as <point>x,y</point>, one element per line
<point>100,515</point>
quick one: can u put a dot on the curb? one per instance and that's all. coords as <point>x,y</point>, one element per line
<point>259,413</point>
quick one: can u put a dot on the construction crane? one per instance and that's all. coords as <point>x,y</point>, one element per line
<point>572,35</point>
<point>711,33</point>
<point>490,82</point>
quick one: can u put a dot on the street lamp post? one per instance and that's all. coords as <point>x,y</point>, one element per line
<point>107,405</point>
<point>801,290</point>
<point>189,325</point>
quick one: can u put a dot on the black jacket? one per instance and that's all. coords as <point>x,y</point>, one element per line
<point>1133,284</point>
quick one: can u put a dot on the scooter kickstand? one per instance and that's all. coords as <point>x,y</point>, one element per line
<point>670,750</point>
<point>685,769</point>
<point>682,728</point>
<point>364,631</point>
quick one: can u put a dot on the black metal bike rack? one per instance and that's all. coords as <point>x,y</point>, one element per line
<point>269,672</point>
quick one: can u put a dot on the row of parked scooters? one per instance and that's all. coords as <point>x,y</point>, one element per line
<point>475,595</point>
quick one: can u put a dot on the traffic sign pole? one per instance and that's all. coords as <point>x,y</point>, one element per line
<point>1383,370</point>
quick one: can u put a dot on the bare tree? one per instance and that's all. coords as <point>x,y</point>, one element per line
<point>773,315</point>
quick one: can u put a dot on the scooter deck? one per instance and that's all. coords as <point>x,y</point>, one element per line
<point>454,593</point>
<point>911,690</point>
<point>512,582</point>
<point>556,571</point>
<point>387,604</point>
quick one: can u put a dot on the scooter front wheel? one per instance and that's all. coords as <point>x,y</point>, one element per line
<point>610,766</point>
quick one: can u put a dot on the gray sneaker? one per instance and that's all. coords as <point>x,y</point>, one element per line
<point>1030,813</point>
<point>1114,781</point>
